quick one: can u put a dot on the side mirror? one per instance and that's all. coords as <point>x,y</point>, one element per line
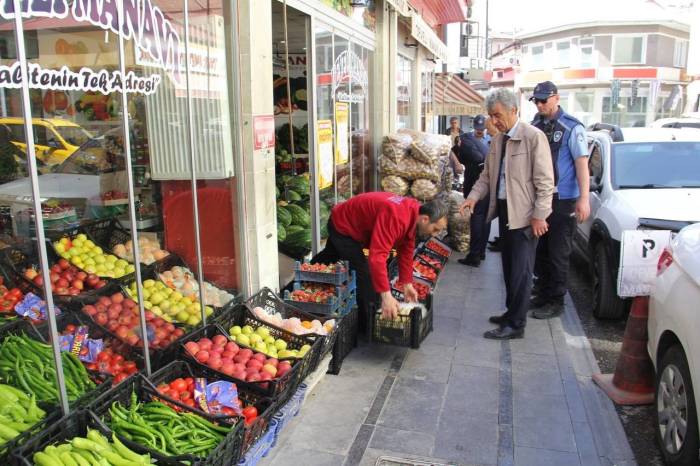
<point>594,186</point>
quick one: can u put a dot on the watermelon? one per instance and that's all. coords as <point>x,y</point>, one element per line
<point>281,233</point>
<point>299,239</point>
<point>299,216</point>
<point>294,229</point>
<point>300,184</point>
<point>284,217</point>
<point>292,196</point>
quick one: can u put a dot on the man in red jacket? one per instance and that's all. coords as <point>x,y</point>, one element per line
<point>380,221</point>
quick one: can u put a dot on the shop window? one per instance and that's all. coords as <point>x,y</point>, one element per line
<point>563,50</point>
<point>628,50</point>
<point>628,113</point>
<point>586,49</point>
<point>404,68</point>
<point>680,53</point>
<point>537,57</point>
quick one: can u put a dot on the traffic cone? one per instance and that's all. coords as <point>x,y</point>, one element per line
<point>633,380</point>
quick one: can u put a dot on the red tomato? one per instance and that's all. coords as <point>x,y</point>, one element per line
<point>130,367</point>
<point>116,368</point>
<point>70,328</point>
<point>119,378</point>
<point>189,402</point>
<point>179,385</point>
<point>250,412</point>
<point>104,356</point>
<point>15,293</point>
<point>117,358</point>
<point>185,395</point>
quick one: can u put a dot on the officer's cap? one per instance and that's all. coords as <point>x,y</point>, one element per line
<point>544,90</point>
<point>479,122</point>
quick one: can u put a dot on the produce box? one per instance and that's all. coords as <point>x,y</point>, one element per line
<point>62,431</point>
<point>261,448</point>
<point>109,234</point>
<point>289,410</point>
<point>279,388</point>
<point>439,247</point>
<point>436,261</point>
<point>423,288</point>
<point>406,330</point>
<point>423,270</point>
<point>322,298</point>
<point>81,250</point>
<point>27,364</point>
<point>346,341</point>
<point>268,301</point>
<point>187,431</point>
<point>253,428</point>
<point>334,274</point>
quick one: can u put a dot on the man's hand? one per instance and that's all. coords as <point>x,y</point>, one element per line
<point>539,227</point>
<point>390,306</point>
<point>583,209</point>
<point>467,204</point>
<point>410,293</point>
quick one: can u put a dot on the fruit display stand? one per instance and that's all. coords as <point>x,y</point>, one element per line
<point>135,395</point>
<point>279,388</point>
<point>253,429</point>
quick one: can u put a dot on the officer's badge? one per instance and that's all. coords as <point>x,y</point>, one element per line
<point>557,136</point>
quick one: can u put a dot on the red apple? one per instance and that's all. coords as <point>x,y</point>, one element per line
<point>73,291</point>
<point>53,276</point>
<point>227,355</point>
<point>272,361</point>
<point>192,347</point>
<point>202,356</point>
<point>205,343</point>
<point>38,280</point>
<point>219,340</point>
<point>56,268</point>
<point>232,347</point>
<point>214,362</point>
<point>254,364</point>
<point>227,368</point>
<point>90,310</point>
<point>239,375</point>
<point>117,298</point>
<point>252,377</point>
<point>92,280</point>
<point>260,357</point>
<point>104,300</point>
<point>240,358</point>
<point>265,376</point>
<point>100,284</point>
<point>81,275</point>
<point>64,264</point>
<point>77,283</point>
<point>247,352</point>
<point>62,283</point>
<point>101,318</point>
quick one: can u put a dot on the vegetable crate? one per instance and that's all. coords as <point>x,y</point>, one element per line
<point>181,369</point>
<point>347,340</point>
<point>423,287</point>
<point>434,260</point>
<point>62,431</point>
<point>279,388</point>
<point>261,448</point>
<point>138,388</point>
<point>338,278</point>
<point>308,362</point>
<point>406,330</point>
<point>438,247</point>
<point>271,303</point>
<point>23,344</point>
<point>335,306</point>
<point>289,410</point>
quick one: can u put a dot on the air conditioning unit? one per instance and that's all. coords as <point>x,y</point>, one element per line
<point>467,29</point>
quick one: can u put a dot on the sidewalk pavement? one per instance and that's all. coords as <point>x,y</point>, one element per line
<point>462,399</point>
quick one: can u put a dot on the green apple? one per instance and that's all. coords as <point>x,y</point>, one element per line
<point>255,339</point>
<point>243,339</point>
<point>247,329</point>
<point>280,345</point>
<point>263,332</point>
<point>235,330</point>
<point>270,340</point>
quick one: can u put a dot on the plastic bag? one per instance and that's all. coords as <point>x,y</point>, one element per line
<point>396,146</point>
<point>424,190</point>
<point>430,147</point>
<point>395,184</point>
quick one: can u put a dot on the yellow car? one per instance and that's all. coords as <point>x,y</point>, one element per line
<point>54,139</point>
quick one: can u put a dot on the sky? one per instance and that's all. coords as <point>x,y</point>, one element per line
<point>507,15</point>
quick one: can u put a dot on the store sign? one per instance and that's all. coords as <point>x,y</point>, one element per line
<point>639,256</point>
<point>401,7</point>
<point>349,69</point>
<point>143,22</point>
<point>342,123</point>
<point>423,33</point>
<point>324,133</point>
<point>264,132</point>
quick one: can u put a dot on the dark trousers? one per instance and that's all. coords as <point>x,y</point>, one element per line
<point>518,260</point>
<point>340,247</point>
<point>479,230</point>
<point>553,251</point>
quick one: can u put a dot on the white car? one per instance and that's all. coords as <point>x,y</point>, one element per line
<point>674,347</point>
<point>640,178</point>
<point>680,122</point>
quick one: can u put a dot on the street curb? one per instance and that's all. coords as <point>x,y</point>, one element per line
<point>577,365</point>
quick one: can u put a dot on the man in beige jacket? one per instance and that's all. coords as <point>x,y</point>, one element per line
<point>519,178</point>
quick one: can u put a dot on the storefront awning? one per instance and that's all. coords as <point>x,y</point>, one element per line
<point>436,12</point>
<point>454,96</point>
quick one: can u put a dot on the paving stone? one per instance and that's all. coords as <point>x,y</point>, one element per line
<point>466,438</point>
<point>429,362</point>
<point>528,405</point>
<point>308,457</point>
<point>587,452</point>
<point>372,455</point>
<point>540,457</point>
<point>472,389</point>
<point>412,405</point>
<point>405,441</point>
<point>332,434</point>
<point>549,431</point>
<point>537,374</point>
<point>477,351</point>
<point>445,332</point>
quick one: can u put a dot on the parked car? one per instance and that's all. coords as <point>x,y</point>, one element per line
<point>680,122</point>
<point>54,139</point>
<point>674,347</point>
<point>640,178</point>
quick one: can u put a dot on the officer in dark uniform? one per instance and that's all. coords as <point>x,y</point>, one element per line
<point>472,152</point>
<point>567,142</point>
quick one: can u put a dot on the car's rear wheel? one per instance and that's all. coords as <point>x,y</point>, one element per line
<point>606,303</point>
<point>676,418</point>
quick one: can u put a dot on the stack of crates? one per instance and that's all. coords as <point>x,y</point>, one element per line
<point>342,281</point>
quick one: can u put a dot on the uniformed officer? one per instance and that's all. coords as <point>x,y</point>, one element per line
<point>567,142</point>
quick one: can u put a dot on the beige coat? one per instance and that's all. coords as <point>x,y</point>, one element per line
<point>529,176</point>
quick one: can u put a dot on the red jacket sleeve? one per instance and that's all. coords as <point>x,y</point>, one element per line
<point>387,230</point>
<point>405,252</point>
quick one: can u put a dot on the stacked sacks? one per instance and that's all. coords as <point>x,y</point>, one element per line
<point>457,224</point>
<point>412,161</point>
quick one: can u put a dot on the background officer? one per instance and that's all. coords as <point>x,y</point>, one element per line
<point>567,142</point>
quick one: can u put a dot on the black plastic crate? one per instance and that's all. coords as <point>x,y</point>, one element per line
<point>60,431</point>
<point>270,302</point>
<point>433,242</point>
<point>102,382</point>
<point>427,301</point>
<point>7,450</point>
<point>406,330</point>
<point>279,389</point>
<point>226,453</point>
<point>266,407</point>
<point>334,278</point>
<point>346,341</point>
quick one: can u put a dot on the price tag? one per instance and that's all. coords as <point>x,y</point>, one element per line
<point>639,256</point>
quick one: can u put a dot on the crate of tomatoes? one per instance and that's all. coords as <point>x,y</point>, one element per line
<point>438,247</point>
<point>334,274</point>
<point>180,383</point>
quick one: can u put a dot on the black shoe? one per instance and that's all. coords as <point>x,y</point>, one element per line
<point>505,333</point>
<point>495,241</point>
<point>495,247</point>
<point>498,320</point>
<point>549,311</point>
<point>482,256</point>
<point>538,301</point>
<point>470,261</point>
